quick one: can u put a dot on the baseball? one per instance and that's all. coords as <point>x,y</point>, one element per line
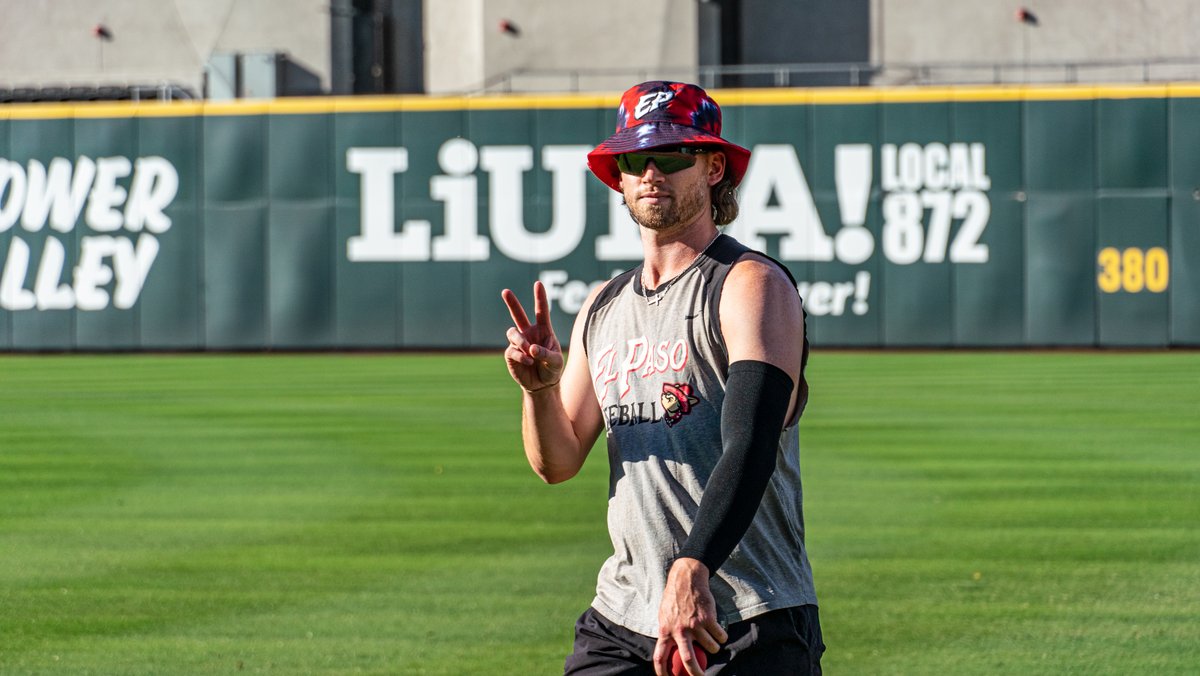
<point>677,668</point>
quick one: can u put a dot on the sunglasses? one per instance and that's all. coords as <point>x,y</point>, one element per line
<point>668,160</point>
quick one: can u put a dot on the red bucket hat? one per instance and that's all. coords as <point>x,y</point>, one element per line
<point>657,114</point>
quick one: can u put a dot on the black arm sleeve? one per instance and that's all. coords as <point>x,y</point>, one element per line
<point>756,401</point>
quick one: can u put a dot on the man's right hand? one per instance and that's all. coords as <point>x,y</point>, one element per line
<point>687,614</point>
<point>534,355</point>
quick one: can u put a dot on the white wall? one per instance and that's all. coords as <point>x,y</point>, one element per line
<point>50,42</point>
<point>465,46</point>
<point>987,31</point>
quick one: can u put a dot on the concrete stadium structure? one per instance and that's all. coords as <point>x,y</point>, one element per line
<point>450,46</point>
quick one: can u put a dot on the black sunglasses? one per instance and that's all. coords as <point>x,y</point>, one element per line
<point>668,160</point>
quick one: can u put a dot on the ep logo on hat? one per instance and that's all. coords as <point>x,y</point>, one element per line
<point>649,102</point>
<point>657,114</point>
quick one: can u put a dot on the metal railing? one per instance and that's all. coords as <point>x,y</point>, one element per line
<point>849,74</point>
<point>65,93</point>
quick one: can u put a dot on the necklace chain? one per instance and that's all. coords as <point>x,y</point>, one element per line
<point>662,289</point>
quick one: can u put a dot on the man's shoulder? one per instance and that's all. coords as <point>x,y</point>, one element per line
<point>746,260</point>
<point>601,295</point>
<point>607,290</point>
<point>759,271</point>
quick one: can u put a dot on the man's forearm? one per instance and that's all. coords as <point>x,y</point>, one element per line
<point>551,445</point>
<point>756,402</point>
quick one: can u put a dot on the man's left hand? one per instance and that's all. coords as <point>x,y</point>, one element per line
<point>688,613</point>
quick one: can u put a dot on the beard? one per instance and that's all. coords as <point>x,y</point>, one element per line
<point>685,205</point>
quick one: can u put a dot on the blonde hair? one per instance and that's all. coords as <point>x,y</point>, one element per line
<point>724,201</point>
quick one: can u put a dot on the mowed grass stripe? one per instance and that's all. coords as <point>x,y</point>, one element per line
<point>968,513</point>
<point>249,495</point>
<point>1007,513</point>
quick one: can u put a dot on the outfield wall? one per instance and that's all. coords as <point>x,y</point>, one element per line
<point>912,217</point>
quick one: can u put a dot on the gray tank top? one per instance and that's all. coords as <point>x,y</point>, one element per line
<point>659,372</point>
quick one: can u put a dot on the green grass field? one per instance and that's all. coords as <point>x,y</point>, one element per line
<point>968,513</point>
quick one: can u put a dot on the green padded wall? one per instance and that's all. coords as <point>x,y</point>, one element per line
<point>958,217</point>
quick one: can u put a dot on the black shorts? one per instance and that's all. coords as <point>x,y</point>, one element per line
<point>778,643</point>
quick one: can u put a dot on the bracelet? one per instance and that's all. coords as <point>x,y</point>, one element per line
<point>543,387</point>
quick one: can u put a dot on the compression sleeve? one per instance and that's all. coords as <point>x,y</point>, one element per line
<point>756,401</point>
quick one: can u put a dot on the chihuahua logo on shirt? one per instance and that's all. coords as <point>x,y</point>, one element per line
<point>677,401</point>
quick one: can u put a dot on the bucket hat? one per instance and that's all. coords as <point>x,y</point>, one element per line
<point>659,114</point>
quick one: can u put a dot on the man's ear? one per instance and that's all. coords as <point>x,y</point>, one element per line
<point>716,167</point>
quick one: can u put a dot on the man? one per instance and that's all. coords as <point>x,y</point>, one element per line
<point>693,364</point>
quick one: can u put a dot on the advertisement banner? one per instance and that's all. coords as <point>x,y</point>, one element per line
<point>964,217</point>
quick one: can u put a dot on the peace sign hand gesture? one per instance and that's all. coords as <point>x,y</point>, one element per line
<point>534,355</point>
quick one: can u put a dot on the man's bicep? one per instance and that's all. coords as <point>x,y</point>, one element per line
<point>579,401</point>
<point>578,396</point>
<point>761,316</point>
